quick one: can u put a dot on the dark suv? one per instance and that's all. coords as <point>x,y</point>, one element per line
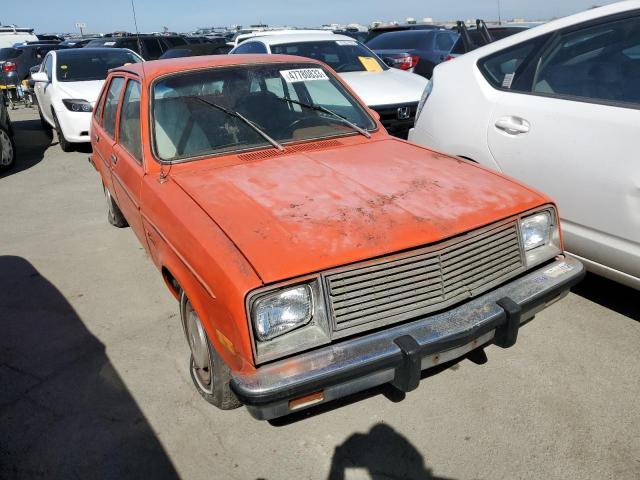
<point>149,47</point>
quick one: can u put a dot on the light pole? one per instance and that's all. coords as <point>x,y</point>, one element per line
<point>499,14</point>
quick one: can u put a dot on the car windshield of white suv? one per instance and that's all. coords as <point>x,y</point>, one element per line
<point>228,109</point>
<point>81,65</point>
<point>341,55</point>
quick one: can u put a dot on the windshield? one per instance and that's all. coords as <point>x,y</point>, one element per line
<point>187,125</point>
<point>8,53</point>
<point>341,55</point>
<point>79,65</point>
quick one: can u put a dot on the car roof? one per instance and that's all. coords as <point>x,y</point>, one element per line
<point>277,33</point>
<point>155,68</point>
<point>302,37</point>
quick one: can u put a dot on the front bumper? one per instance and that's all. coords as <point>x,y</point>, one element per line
<point>399,354</point>
<point>74,125</point>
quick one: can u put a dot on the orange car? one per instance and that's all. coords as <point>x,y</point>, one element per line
<point>312,254</point>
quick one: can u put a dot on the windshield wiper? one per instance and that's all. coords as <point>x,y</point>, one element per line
<point>235,114</point>
<point>320,108</point>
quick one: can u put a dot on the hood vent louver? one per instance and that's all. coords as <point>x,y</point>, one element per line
<point>302,147</point>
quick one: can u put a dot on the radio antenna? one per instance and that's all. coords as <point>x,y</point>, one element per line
<point>135,23</point>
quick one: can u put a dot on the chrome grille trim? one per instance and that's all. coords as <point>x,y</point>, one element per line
<point>401,287</point>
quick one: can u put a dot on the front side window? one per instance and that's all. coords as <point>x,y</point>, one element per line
<point>598,63</point>
<point>111,105</point>
<point>341,55</point>
<point>129,127</point>
<point>190,121</point>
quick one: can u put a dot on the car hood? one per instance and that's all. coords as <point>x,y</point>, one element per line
<point>306,212</point>
<point>390,87</point>
<point>88,90</point>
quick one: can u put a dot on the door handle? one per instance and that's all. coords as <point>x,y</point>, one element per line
<point>113,159</point>
<point>513,125</point>
<point>96,137</point>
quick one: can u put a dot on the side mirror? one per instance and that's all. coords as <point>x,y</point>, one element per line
<point>374,114</point>
<point>40,77</point>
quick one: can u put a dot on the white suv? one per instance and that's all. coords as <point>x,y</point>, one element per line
<point>557,107</point>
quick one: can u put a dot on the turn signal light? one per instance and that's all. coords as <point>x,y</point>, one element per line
<point>306,400</point>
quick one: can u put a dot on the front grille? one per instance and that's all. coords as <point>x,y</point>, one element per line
<point>423,281</point>
<point>391,122</point>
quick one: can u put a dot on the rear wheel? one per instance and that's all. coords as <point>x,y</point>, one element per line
<point>7,151</point>
<point>209,373</point>
<point>114,215</point>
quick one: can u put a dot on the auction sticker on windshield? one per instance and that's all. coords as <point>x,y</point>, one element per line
<point>303,75</point>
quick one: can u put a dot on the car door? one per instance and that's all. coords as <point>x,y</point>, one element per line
<point>126,165</point>
<point>43,90</point>
<point>103,130</point>
<point>573,133</point>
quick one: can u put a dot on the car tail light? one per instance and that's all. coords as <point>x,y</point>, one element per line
<point>449,57</point>
<point>406,61</point>
<point>8,67</point>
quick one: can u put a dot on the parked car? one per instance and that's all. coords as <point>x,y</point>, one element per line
<point>392,93</point>
<point>149,47</point>
<point>475,39</point>
<point>374,32</point>
<point>243,37</point>
<point>197,50</point>
<point>418,51</point>
<point>68,85</point>
<point>16,62</point>
<point>312,254</point>
<point>354,33</point>
<point>10,35</point>
<point>7,144</point>
<point>558,107</point>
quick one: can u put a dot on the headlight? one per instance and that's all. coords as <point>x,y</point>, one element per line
<point>281,312</point>
<point>540,236</point>
<point>77,105</point>
<point>288,319</point>
<point>425,95</point>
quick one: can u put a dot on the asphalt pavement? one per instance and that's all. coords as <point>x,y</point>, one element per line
<point>94,380</point>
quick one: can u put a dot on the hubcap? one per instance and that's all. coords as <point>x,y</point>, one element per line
<point>6,149</point>
<point>201,359</point>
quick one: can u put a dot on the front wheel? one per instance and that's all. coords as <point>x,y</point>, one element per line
<point>65,144</point>
<point>7,151</point>
<point>209,373</point>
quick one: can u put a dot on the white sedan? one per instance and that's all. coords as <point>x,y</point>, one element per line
<point>67,87</point>
<point>394,94</point>
<point>557,107</point>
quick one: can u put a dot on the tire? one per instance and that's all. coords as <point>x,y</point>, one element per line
<point>65,145</point>
<point>114,215</point>
<point>7,151</point>
<point>209,374</point>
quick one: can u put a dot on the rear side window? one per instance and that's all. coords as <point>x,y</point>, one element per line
<point>111,106</point>
<point>597,63</point>
<point>510,69</point>
<point>9,53</point>
<point>251,47</point>
<point>129,129</point>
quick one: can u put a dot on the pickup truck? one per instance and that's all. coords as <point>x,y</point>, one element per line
<point>313,255</point>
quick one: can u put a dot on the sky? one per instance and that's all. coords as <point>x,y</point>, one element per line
<point>187,15</point>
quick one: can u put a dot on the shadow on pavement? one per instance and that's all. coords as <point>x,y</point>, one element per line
<point>64,411</point>
<point>609,294</point>
<point>383,453</point>
<point>31,143</point>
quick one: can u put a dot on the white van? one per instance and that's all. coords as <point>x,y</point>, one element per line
<point>10,35</point>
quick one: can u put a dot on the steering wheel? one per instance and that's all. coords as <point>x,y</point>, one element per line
<point>306,122</point>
